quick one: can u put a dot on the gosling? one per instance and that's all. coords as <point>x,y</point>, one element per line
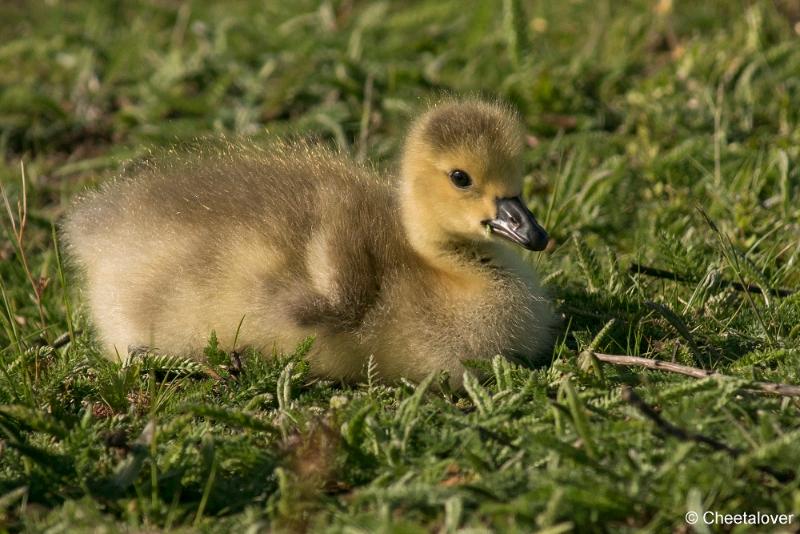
<point>267,245</point>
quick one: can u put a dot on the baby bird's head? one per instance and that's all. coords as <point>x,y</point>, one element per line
<point>462,178</point>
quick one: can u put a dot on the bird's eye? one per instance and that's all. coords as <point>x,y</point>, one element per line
<point>460,179</point>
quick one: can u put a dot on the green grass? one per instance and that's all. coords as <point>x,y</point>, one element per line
<point>667,136</point>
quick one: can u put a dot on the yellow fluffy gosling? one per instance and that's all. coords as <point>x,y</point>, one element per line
<point>300,240</point>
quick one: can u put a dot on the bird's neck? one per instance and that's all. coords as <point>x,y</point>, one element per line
<point>426,244</point>
<point>454,260</point>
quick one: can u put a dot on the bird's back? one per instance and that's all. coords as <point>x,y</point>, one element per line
<point>280,186</point>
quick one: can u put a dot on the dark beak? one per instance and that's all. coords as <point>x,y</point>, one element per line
<point>515,222</point>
